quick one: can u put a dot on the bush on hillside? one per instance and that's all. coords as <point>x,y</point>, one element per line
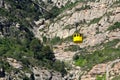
<point>115,26</point>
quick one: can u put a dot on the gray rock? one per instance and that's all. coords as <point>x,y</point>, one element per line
<point>43,74</point>
<point>1,3</point>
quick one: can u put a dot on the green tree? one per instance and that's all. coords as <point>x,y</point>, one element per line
<point>35,45</point>
<point>44,39</point>
<point>48,53</point>
<point>60,66</point>
<point>55,40</point>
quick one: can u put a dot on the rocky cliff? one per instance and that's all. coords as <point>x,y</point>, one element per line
<point>95,20</point>
<point>30,29</point>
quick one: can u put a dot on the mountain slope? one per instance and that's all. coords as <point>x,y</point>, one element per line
<point>20,51</point>
<point>36,39</point>
<point>97,20</point>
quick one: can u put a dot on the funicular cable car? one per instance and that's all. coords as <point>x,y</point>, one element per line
<point>77,37</point>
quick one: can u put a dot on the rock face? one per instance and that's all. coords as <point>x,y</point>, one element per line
<point>14,63</point>
<point>93,22</point>
<point>1,3</point>
<point>67,56</point>
<point>115,70</point>
<point>43,74</point>
<point>59,3</point>
<point>98,69</point>
<point>93,19</point>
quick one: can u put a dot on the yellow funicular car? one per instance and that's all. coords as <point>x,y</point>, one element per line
<point>77,38</point>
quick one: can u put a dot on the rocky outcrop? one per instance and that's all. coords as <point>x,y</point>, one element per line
<point>14,63</point>
<point>43,74</point>
<point>99,69</point>
<point>61,54</point>
<point>115,70</point>
<point>1,3</point>
<point>94,21</point>
<point>59,3</point>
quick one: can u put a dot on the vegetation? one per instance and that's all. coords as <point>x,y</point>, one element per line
<point>115,26</point>
<point>35,52</point>
<point>26,78</point>
<point>69,38</point>
<point>95,20</point>
<point>44,39</point>
<point>117,2</point>
<point>83,8</point>
<point>20,12</point>
<point>56,11</point>
<point>87,61</point>
<point>72,48</point>
<point>116,78</point>
<point>5,65</point>
<point>111,44</point>
<point>69,5</point>
<point>55,40</point>
<point>21,44</point>
<point>101,77</point>
<point>67,27</point>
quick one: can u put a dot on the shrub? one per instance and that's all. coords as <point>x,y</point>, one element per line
<point>55,11</point>
<point>35,45</point>
<point>101,77</point>
<point>55,40</point>
<point>47,53</point>
<point>72,48</point>
<point>69,38</point>
<point>83,8</point>
<point>111,44</point>
<point>26,78</point>
<point>116,78</point>
<point>60,66</point>
<point>95,20</point>
<point>99,56</point>
<point>115,26</point>
<point>75,57</point>
<point>44,39</point>
<point>67,27</point>
<point>81,62</point>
